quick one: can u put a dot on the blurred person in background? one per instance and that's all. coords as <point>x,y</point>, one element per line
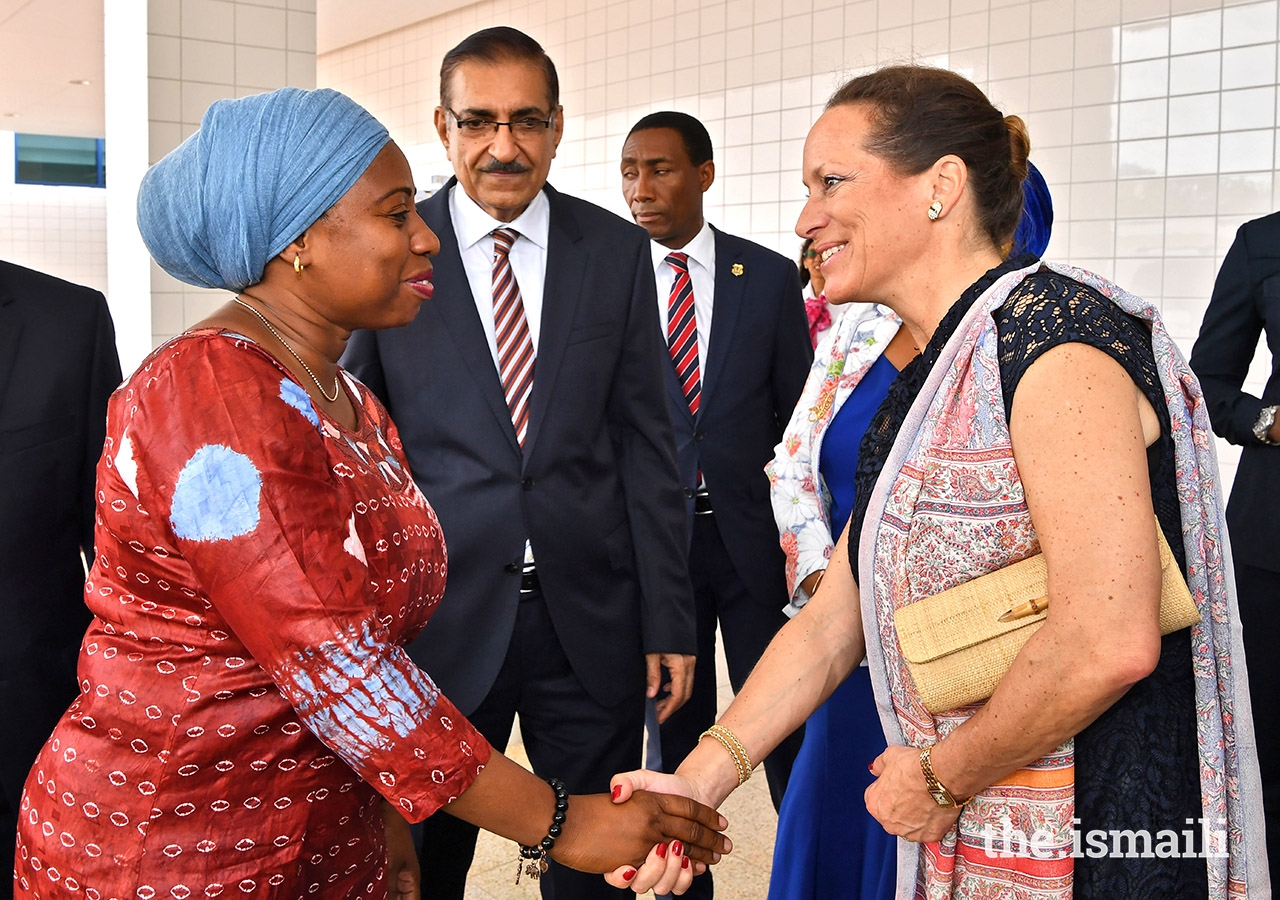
<point>58,366</point>
<point>1245,306</point>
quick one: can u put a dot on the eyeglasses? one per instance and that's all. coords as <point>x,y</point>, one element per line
<point>475,126</point>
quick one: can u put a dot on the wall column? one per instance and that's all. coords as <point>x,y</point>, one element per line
<point>180,55</point>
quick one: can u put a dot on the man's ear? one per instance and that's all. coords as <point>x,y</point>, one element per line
<point>706,174</point>
<point>442,126</point>
<point>558,127</point>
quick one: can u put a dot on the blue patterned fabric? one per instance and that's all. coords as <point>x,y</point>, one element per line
<point>216,497</point>
<point>258,173</point>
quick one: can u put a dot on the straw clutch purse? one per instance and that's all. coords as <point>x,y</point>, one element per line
<point>958,650</point>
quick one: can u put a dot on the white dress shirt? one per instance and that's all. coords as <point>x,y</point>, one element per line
<point>474,229</point>
<point>702,272</point>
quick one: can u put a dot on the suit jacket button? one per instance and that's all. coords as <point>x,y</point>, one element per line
<point>511,568</point>
<point>698,435</point>
<point>688,492</point>
<point>527,484</point>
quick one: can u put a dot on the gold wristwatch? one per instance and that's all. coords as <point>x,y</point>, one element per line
<point>937,790</point>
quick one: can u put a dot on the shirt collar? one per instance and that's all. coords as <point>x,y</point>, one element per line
<point>471,223</point>
<point>701,250</point>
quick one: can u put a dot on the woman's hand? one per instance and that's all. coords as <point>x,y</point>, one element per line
<point>662,863</point>
<point>666,870</point>
<point>403,875</point>
<point>625,784</point>
<point>598,833</point>
<point>900,800</point>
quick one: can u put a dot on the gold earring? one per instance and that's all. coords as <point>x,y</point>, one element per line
<point>935,210</point>
<point>297,265</point>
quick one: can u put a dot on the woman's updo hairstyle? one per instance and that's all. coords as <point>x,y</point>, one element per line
<point>919,114</point>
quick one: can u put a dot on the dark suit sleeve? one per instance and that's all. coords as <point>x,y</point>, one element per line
<point>646,448</point>
<point>363,360</point>
<point>792,351</point>
<point>1227,343</point>
<point>104,378</point>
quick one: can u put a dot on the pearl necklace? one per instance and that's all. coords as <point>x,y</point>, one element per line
<point>280,338</point>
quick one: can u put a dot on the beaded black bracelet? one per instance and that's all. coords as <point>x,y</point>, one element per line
<point>533,860</point>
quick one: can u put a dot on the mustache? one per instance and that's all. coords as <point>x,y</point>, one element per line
<point>505,168</point>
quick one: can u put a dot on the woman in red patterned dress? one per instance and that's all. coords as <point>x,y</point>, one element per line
<point>248,723</point>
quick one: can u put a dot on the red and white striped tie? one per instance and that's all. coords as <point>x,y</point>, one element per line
<point>515,346</point>
<point>682,331</point>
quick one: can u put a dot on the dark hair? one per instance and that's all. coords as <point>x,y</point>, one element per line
<point>920,114</point>
<point>697,143</point>
<point>499,44</point>
<point>804,270</point>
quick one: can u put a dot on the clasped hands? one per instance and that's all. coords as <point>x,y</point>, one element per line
<point>898,799</point>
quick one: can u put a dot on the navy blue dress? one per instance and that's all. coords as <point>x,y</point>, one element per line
<point>828,846</point>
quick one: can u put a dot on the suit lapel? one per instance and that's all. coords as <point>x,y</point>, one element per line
<point>729,297</point>
<point>562,291</point>
<point>10,334</point>
<point>456,310</point>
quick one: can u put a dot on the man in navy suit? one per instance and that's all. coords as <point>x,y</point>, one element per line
<point>58,366</point>
<point>530,399</point>
<point>738,355</point>
<point>1245,306</point>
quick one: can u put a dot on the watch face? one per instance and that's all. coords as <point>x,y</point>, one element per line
<point>1266,419</point>
<point>941,798</point>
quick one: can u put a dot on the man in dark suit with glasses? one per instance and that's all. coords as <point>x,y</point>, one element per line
<point>530,399</point>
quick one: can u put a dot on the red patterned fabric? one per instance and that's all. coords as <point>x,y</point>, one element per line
<point>245,699</point>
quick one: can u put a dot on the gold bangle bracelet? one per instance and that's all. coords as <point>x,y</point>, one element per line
<point>746,758</point>
<point>730,742</point>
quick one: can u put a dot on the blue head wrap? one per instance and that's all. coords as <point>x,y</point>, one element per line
<point>1032,234</point>
<point>256,175</point>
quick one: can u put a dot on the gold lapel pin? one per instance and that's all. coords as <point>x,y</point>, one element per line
<point>737,269</point>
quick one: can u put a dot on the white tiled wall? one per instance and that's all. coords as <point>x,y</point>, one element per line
<point>54,229</point>
<point>205,50</point>
<point>1153,121</point>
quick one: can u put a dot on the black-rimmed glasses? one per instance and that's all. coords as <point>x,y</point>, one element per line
<point>477,126</point>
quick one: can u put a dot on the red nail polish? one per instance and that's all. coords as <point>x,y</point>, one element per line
<point>677,848</point>
<point>629,874</point>
<point>661,850</point>
<point>617,791</point>
<point>684,863</point>
<point>870,768</point>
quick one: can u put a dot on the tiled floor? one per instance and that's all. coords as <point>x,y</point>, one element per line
<point>742,875</point>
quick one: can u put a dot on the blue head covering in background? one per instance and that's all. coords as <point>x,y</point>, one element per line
<point>1032,234</point>
<point>258,173</point>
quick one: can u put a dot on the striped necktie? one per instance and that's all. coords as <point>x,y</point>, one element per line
<point>515,346</point>
<point>682,331</point>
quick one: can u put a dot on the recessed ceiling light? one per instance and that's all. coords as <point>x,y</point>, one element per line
<point>81,81</point>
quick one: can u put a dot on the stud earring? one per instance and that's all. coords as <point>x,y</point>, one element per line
<point>298,266</point>
<point>935,210</point>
